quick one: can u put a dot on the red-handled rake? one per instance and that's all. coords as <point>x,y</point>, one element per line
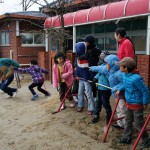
<point>58,110</point>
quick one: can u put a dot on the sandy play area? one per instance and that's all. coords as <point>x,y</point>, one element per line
<point>30,125</point>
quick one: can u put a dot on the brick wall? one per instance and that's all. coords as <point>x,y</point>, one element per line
<point>143,65</point>
<point>46,60</point>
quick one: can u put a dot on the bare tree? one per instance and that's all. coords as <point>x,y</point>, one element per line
<point>59,7</point>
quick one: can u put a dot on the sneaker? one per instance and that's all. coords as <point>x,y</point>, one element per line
<point>62,107</point>
<point>124,140</point>
<point>14,94</point>
<point>34,97</point>
<point>8,96</point>
<point>144,145</point>
<point>48,94</point>
<point>95,120</point>
<point>75,99</point>
<point>89,112</point>
<point>79,109</point>
<point>1,92</point>
<point>72,105</point>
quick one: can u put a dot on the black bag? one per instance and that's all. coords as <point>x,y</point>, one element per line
<point>74,89</point>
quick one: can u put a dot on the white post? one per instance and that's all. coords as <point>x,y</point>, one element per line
<point>148,37</point>
<point>17,27</point>
<point>74,38</point>
<point>46,40</point>
<point>11,54</point>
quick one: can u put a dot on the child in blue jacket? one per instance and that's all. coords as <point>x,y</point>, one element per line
<point>115,81</point>
<point>103,92</point>
<point>137,95</point>
<point>83,75</point>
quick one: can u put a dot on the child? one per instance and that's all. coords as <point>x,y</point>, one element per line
<point>83,75</point>
<point>137,95</point>
<point>63,77</point>
<point>7,76</point>
<point>37,76</point>
<point>115,80</point>
<point>103,93</point>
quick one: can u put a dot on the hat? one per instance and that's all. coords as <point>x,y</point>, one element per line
<point>127,61</point>
<point>90,39</point>
<point>104,54</point>
<point>80,48</point>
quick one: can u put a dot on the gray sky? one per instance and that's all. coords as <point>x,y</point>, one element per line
<point>13,6</point>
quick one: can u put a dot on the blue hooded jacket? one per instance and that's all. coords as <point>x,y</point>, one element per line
<point>101,76</point>
<point>115,75</point>
<point>82,69</point>
<point>135,89</point>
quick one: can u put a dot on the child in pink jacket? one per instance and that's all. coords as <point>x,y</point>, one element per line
<point>63,77</point>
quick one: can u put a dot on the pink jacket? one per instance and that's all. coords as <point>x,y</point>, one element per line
<point>125,49</point>
<point>67,74</point>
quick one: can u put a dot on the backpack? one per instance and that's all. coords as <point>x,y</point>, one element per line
<point>6,72</point>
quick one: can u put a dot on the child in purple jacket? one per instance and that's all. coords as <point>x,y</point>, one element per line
<point>37,77</point>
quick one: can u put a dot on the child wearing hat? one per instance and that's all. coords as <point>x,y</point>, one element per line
<point>83,75</point>
<point>137,99</point>
<point>103,92</point>
<point>63,77</point>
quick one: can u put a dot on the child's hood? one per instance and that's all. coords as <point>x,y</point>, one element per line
<point>111,59</point>
<point>80,48</point>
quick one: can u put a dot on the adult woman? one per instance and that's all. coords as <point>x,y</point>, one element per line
<point>125,45</point>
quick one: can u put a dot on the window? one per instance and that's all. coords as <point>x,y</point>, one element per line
<point>139,42</point>
<point>33,39</point>
<point>110,44</point>
<point>4,38</point>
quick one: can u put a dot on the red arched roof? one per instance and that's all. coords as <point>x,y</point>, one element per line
<point>105,12</point>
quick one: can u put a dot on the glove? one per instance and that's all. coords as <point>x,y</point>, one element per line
<point>94,80</point>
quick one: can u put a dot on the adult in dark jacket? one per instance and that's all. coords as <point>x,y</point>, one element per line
<point>92,55</point>
<point>7,76</point>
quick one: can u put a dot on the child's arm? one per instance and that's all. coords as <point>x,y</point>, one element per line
<point>23,70</point>
<point>44,71</point>
<point>68,73</point>
<point>101,69</point>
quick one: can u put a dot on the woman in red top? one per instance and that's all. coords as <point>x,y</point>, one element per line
<point>125,45</point>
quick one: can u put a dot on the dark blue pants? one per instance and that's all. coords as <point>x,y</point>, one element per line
<point>39,88</point>
<point>4,86</point>
<point>103,100</point>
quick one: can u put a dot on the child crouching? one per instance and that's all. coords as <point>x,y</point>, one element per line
<point>37,76</point>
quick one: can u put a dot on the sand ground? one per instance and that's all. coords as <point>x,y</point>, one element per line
<point>30,125</point>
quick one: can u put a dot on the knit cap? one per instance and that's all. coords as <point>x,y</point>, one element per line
<point>103,55</point>
<point>80,48</point>
<point>127,61</point>
<point>90,39</point>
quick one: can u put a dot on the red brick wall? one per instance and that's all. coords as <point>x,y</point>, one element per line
<point>22,54</point>
<point>143,65</point>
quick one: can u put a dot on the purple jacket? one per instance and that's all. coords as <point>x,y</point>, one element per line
<point>36,73</point>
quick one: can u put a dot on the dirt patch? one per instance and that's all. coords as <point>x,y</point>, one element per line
<point>30,125</point>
